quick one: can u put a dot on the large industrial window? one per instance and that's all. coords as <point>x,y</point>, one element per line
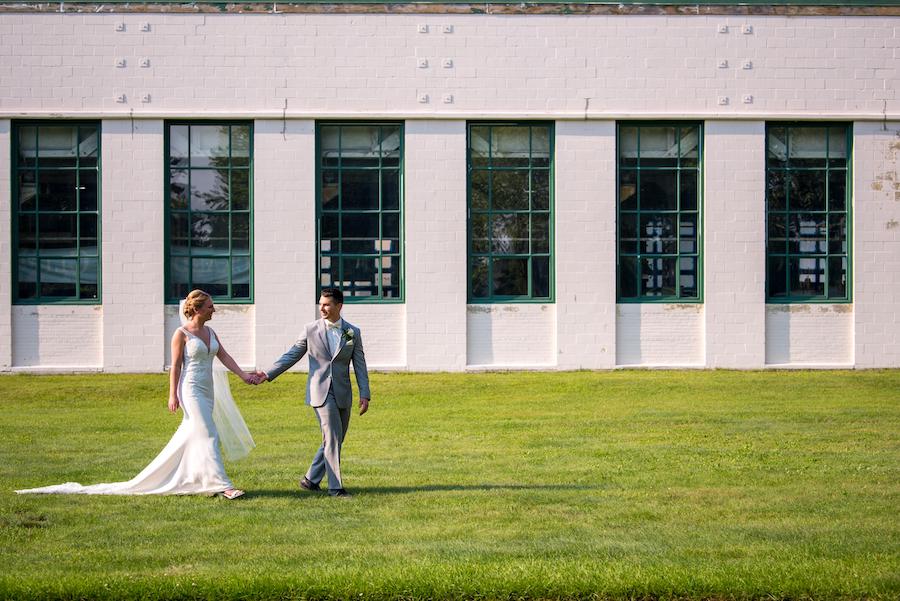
<point>510,182</point>
<point>359,208</point>
<point>209,217</point>
<point>659,212</point>
<point>56,212</point>
<point>808,212</point>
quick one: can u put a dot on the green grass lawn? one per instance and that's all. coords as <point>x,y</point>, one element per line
<point>627,484</point>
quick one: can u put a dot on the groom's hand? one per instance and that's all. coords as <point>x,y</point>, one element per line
<point>260,376</point>
<point>363,405</point>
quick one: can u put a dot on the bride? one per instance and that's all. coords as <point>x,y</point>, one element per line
<point>191,463</point>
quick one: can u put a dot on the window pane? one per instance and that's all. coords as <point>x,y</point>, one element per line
<point>390,276</point>
<point>628,146</point>
<point>777,276</point>
<point>837,234</point>
<point>658,276</point>
<point>807,191</point>
<point>509,190</point>
<point>540,190</point>
<point>688,277</point>
<point>330,189</point>
<point>540,232</point>
<point>240,277</point>
<point>209,234</point>
<point>807,147</point>
<point>690,146</point>
<point>510,277</point>
<point>57,146</point>
<point>27,151</point>
<point>240,232</point>
<point>390,232</point>
<point>837,191</point>
<point>27,278</point>
<point>540,277</point>
<point>509,233</point>
<point>658,147</point>
<point>480,145</point>
<point>240,145</point>
<point>359,276</point>
<point>209,189</point>
<point>776,151</point>
<point>240,189</point>
<point>658,234</point>
<point>776,191</point>
<point>687,233</point>
<point>89,270</point>
<point>210,275</point>
<point>58,234</point>
<point>391,140</point>
<point>837,277</point>
<point>628,277</point>
<point>359,189</point>
<point>178,189</point>
<point>58,277</point>
<point>837,146</point>
<point>480,241</point>
<point>480,192</point>
<point>540,146</point>
<point>88,234</point>
<point>27,190</point>
<point>511,146</point>
<point>88,146</point>
<point>179,227</point>
<point>87,190</point>
<point>777,233</point>
<point>178,145</point>
<point>390,189</point>
<point>628,233</point>
<point>27,243</point>
<point>328,275</point>
<point>57,190</point>
<point>689,190</point>
<point>807,233</point>
<point>360,146</point>
<point>359,226</point>
<point>658,190</point>
<point>807,276</point>
<point>209,147</point>
<point>179,277</point>
<point>329,233</point>
<point>628,190</point>
<point>480,288</point>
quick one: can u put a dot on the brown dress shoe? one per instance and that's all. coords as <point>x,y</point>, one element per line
<point>306,484</point>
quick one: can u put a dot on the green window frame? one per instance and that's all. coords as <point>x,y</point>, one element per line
<point>56,212</point>
<point>509,190</point>
<point>209,210</point>
<point>359,209</point>
<point>659,212</point>
<point>808,212</point>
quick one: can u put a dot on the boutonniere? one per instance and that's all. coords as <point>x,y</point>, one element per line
<point>348,335</point>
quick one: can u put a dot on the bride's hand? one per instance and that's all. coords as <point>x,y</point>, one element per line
<point>173,403</point>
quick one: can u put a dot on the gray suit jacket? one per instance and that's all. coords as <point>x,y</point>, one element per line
<point>326,371</point>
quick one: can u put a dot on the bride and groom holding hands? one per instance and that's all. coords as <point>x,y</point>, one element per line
<point>191,463</point>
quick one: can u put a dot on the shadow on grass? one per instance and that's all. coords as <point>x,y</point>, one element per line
<point>404,490</point>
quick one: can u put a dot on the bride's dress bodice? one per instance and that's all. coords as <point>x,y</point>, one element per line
<point>196,370</point>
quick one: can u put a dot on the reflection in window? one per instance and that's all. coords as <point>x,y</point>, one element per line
<point>659,211</point>
<point>209,174</point>
<point>807,206</point>
<point>510,225</point>
<point>360,168</point>
<point>56,218</point>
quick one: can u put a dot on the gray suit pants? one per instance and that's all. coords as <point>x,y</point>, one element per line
<point>334,422</point>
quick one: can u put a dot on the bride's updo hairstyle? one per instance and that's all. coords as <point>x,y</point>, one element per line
<point>193,302</point>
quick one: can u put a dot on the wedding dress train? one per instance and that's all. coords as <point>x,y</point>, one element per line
<point>191,462</point>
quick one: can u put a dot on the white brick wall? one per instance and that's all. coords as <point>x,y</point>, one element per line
<point>284,245</point>
<point>435,232</point>
<point>585,203</point>
<point>384,333</point>
<point>809,335</point>
<point>663,335</point>
<point>512,65</point>
<point>132,245</point>
<point>511,336</point>
<point>234,326</point>
<point>876,244</point>
<point>734,244</point>
<point>57,336</point>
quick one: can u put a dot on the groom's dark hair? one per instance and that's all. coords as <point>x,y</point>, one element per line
<point>333,293</point>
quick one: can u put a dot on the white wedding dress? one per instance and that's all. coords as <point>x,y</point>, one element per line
<point>191,463</point>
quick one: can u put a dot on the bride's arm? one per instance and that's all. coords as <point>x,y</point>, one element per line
<point>231,364</point>
<point>175,371</point>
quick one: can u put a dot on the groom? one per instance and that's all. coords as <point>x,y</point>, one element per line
<point>332,344</point>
